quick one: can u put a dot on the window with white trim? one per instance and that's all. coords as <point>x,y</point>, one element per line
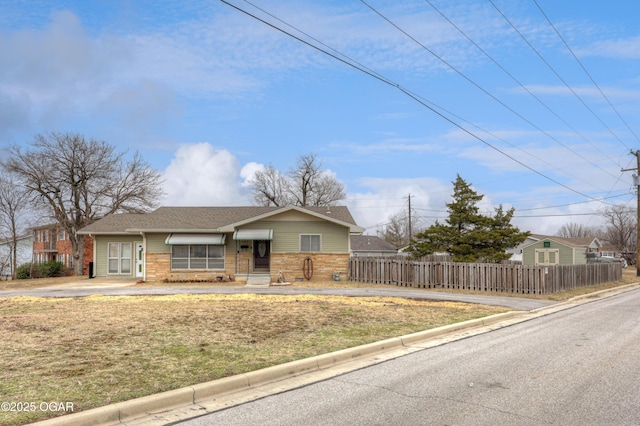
<point>197,257</point>
<point>309,242</point>
<point>119,258</point>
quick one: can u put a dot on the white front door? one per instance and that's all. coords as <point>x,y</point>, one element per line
<point>139,260</point>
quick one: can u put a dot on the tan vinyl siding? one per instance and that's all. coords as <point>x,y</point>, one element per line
<point>102,244</point>
<point>567,255</point>
<point>286,235</point>
<point>580,256</point>
<point>155,243</point>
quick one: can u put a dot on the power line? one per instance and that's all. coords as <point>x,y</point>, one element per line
<point>485,91</point>
<point>427,104</point>
<point>518,82</point>
<point>587,73</point>
<point>571,204</point>
<point>556,215</point>
<point>557,74</point>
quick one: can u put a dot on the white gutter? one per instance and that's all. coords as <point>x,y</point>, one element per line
<point>95,255</point>
<point>144,256</point>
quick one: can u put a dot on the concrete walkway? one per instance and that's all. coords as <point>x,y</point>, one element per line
<point>110,287</point>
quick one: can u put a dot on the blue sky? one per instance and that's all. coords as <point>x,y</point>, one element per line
<point>535,103</point>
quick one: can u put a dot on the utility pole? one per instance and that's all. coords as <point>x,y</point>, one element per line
<point>410,228</point>
<point>636,183</point>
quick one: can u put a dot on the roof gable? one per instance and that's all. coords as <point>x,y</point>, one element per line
<point>337,214</point>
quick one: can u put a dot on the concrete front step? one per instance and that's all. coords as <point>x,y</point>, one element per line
<point>258,280</point>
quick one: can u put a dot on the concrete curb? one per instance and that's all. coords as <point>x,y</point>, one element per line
<point>122,412</point>
<point>126,411</point>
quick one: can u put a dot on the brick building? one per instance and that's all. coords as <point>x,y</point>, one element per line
<point>52,243</point>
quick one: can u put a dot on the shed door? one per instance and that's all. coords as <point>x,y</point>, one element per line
<point>547,256</point>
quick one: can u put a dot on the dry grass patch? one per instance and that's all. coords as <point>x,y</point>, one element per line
<point>38,282</point>
<point>98,350</point>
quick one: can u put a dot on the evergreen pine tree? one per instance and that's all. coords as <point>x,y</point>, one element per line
<point>467,235</point>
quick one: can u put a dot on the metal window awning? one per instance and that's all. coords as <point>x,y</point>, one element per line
<point>253,234</point>
<point>209,239</point>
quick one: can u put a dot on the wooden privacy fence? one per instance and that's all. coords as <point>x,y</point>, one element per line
<point>490,277</point>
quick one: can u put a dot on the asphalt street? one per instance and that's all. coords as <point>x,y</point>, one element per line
<point>128,288</point>
<point>577,366</point>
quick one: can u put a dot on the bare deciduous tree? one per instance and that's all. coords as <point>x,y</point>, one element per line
<point>621,227</point>
<point>269,187</point>
<point>79,181</point>
<point>306,184</point>
<point>13,206</point>
<point>578,230</point>
<point>396,230</point>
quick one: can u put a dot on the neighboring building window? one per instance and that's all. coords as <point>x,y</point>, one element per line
<point>197,257</point>
<point>60,234</point>
<point>119,258</point>
<point>45,237</point>
<point>36,234</point>
<point>309,242</point>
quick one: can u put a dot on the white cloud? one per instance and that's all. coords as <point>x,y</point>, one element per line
<point>625,48</point>
<point>201,175</point>
<point>389,197</point>
<point>248,172</point>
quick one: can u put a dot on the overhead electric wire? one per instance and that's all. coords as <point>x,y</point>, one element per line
<point>571,204</point>
<point>485,91</point>
<point>522,85</point>
<point>401,89</point>
<point>556,73</point>
<point>555,215</point>
<point>553,167</point>
<point>587,73</point>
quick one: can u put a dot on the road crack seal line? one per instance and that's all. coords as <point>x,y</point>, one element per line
<point>436,397</point>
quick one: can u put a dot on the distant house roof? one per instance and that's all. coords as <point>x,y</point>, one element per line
<point>208,219</point>
<point>369,243</point>
<point>590,242</point>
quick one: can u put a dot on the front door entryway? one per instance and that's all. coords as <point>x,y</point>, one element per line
<point>139,260</point>
<point>261,251</point>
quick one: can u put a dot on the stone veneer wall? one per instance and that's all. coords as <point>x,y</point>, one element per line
<point>324,265</point>
<point>159,269</point>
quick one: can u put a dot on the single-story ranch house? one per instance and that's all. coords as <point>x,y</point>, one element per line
<point>220,243</point>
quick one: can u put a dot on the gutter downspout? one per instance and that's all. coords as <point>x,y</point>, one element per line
<point>144,256</point>
<point>95,255</point>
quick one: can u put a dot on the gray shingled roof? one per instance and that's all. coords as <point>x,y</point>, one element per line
<point>371,243</point>
<point>200,218</point>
